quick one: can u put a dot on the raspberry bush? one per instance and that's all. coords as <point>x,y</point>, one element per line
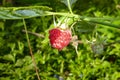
<point>34,47</point>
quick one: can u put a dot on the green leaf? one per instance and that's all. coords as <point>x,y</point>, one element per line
<point>1,66</point>
<point>105,64</point>
<point>26,13</point>
<point>83,26</point>
<point>23,12</point>
<point>2,25</point>
<point>116,75</point>
<point>19,63</point>
<point>9,57</point>
<point>4,78</point>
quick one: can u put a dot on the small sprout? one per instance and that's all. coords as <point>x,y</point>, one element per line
<point>97,45</point>
<point>97,48</point>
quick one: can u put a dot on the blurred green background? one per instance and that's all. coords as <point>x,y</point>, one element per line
<point>98,56</point>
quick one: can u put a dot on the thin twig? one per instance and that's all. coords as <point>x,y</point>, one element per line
<point>31,53</point>
<point>35,34</point>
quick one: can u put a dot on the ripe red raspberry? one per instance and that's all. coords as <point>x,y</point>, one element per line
<point>59,38</point>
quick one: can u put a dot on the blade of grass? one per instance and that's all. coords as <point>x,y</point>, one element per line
<point>105,23</point>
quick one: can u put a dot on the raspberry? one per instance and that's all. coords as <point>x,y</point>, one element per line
<point>59,38</point>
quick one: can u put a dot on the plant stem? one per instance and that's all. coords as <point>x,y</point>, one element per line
<point>69,6</point>
<point>31,53</point>
<point>35,34</point>
<point>62,67</point>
